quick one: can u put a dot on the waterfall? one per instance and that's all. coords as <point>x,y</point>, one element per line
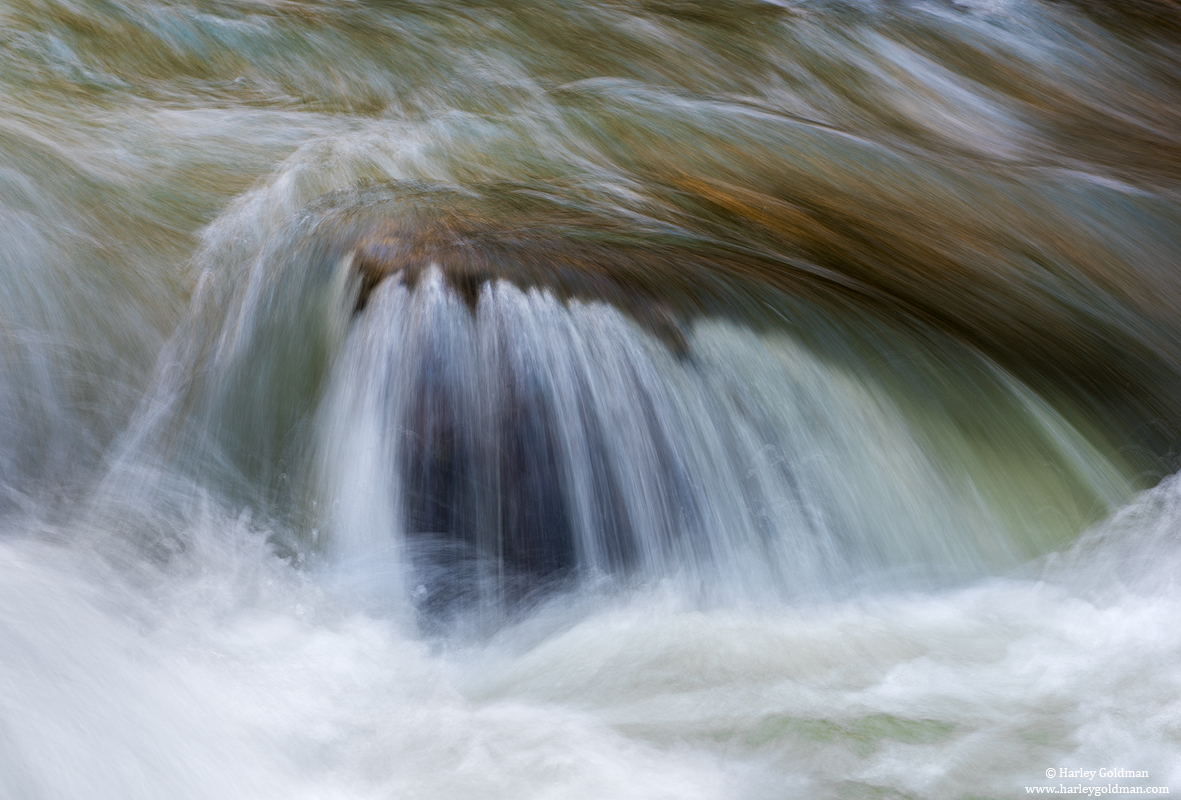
<point>608,399</point>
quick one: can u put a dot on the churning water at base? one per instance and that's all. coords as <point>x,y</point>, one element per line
<point>228,674</point>
<point>598,400</point>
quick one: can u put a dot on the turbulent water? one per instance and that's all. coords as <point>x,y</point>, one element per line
<point>653,398</point>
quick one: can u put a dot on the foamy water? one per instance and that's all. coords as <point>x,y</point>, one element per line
<point>228,674</point>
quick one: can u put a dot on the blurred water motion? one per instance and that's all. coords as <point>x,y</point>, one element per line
<point>607,399</point>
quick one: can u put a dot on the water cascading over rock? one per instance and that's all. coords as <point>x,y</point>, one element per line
<point>473,411</point>
<point>634,399</point>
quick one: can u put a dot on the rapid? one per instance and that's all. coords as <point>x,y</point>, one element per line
<point>614,399</point>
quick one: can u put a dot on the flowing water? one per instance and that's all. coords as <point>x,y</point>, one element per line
<point>638,398</point>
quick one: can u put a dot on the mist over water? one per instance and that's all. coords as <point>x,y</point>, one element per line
<point>618,399</point>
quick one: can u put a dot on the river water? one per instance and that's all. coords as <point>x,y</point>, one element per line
<point>645,399</point>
